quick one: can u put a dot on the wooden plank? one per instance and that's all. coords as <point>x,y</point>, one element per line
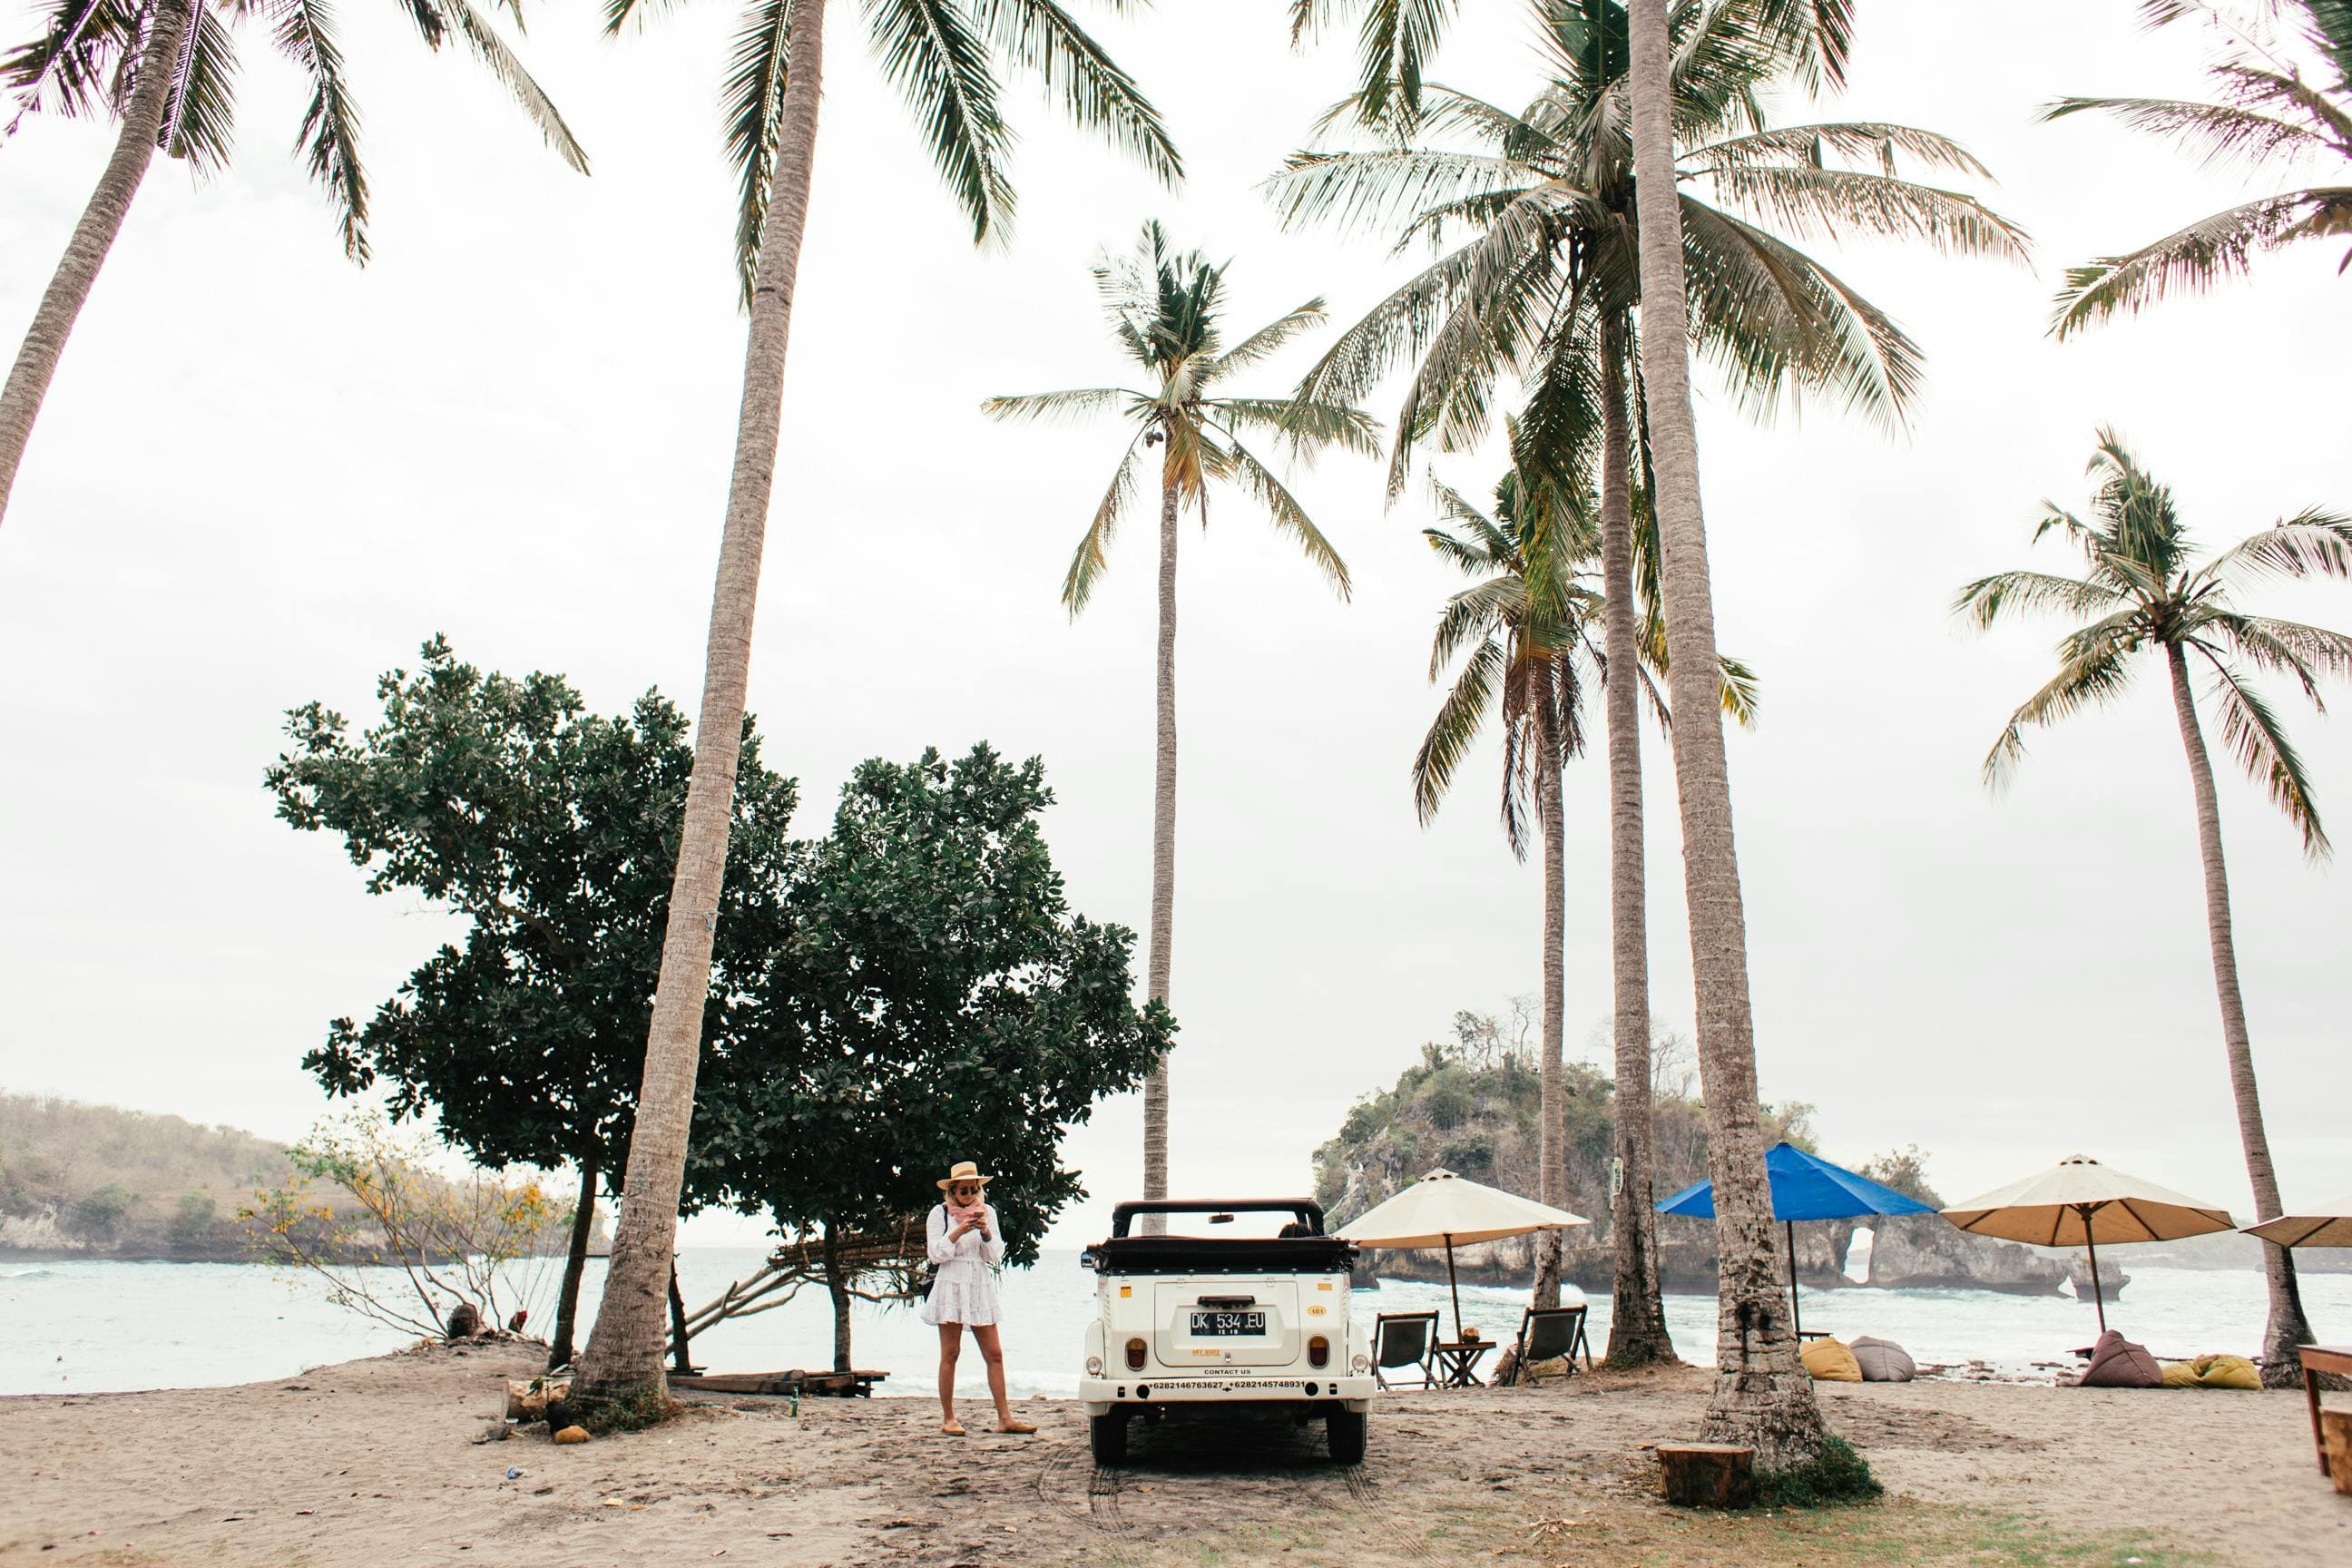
<point>796,1381</point>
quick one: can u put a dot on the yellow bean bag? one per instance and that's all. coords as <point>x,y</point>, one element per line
<point>1829,1361</point>
<point>2226,1372</point>
<point>2178,1374</point>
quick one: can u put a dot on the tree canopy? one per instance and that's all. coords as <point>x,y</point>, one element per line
<point>553,831</point>
<point>936,1001</point>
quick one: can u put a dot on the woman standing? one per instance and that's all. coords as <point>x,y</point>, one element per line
<point>966,1244</point>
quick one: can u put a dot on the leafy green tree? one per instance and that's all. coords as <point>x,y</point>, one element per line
<point>943,56</point>
<point>1164,310</point>
<point>2145,591</point>
<point>1545,291</point>
<point>2270,114</point>
<point>1527,624</point>
<point>552,831</point>
<point>935,1001</point>
<point>165,71</point>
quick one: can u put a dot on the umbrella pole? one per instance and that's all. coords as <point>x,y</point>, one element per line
<point>1452,1285</point>
<point>1796,1314</point>
<point>2098,1296</point>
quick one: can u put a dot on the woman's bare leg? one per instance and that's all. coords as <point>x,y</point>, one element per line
<point>951,1345</point>
<point>992,1351</point>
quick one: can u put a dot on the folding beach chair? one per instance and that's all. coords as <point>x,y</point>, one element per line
<point>1404,1343</point>
<point>1549,1334</point>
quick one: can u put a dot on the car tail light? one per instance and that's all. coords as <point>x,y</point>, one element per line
<point>1135,1349</point>
<point>1319,1351</point>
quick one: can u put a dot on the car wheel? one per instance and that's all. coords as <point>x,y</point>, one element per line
<point>1108,1435</point>
<point>1346,1431</point>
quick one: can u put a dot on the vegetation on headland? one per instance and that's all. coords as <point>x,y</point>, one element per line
<point>97,1181</point>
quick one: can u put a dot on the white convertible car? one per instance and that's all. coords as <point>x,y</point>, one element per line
<point>1198,1322</point>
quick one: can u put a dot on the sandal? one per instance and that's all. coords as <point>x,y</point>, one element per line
<point>1016,1427</point>
<point>952,1430</point>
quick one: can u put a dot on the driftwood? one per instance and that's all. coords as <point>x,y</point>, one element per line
<point>898,1253</point>
<point>1706,1474</point>
<point>811,1384</point>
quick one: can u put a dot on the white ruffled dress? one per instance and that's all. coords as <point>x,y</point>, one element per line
<point>963,1288</point>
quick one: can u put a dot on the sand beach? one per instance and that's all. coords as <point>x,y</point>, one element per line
<point>375,1460</point>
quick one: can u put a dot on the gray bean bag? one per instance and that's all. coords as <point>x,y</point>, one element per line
<point>1882,1361</point>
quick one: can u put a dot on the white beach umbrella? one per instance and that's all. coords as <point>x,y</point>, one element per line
<point>1443,1209</point>
<point>2328,1224</point>
<point>2080,1203</point>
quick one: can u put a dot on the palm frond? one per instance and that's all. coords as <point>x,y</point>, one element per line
<point>1983,601</point>
<point>1267,340</point>
<point>1288,515</point>
<point>752,98</point>
<point>492,51</point>
<point>2313,542</point>
<point>1812,145</point>
<point>2093,676</point>
<point>1379,191</point>
<point>1497,605</point>
<point>64,71</point>
<point>1458,720</point>
<point>2251,734</point>
<point>942,69</point>
<point>1823,204</point>
<point>1074,404</point>
<point>1394,43</point>
<point>1306,424</point>
<point>305,33</point>
<point>1738,690</point>
<point>2218,134</point>
<point>2286,648</point>
<point>1091,558</point>
<point>1041,37</point>
<point>202,106</point>
<point>2190,259</point>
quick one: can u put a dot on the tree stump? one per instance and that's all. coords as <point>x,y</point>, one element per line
<point>1706,1474</point>
<point>2335,1426</point>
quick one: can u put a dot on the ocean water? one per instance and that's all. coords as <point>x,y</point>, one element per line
<point>87,1327</point>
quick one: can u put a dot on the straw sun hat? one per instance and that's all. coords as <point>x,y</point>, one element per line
<point>964,1171</point>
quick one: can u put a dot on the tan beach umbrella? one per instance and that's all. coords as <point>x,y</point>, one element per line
<point>1443,1209</point>
<point>2329,1225</point>
<point>2080,1203</point>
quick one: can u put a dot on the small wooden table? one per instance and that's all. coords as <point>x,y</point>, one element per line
<point>2316,1358</point>
<point>1457,1362</point>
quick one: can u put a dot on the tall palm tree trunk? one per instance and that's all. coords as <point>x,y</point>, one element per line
<point>2287,1326</point>
<point>1163,850</point>
<point>1637,1314</point>
<point>1551,1184</point>
<point>575,1264</point>
<point>1762,1397</point>
<point>625,1348</point>
<point>93,236</point>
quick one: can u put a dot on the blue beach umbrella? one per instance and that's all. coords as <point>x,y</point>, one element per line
<point>1804,1186</point>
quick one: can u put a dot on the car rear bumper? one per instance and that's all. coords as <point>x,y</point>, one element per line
<point>1101,1395</point>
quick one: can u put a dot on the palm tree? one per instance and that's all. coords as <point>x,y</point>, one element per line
<point>943,56</point>
<point>1164,311</point>
<point>1546,292</point>
<point>1528,621</point>
<point>2148,595</point>
<point>165,70</point>
<point>2269,114</point>
<point>1762,1398</point>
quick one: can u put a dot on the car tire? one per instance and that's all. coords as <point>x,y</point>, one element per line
<point>1346,1431</point>
<point>1108,1436</point>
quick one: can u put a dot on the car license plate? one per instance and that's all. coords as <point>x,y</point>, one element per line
<point>1211,1325</point>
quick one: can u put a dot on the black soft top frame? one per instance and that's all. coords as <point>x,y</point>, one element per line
<point>1314,1253</point>
<point>1308,1212</point>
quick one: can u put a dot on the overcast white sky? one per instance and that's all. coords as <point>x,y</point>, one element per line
<point>264,475</point>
